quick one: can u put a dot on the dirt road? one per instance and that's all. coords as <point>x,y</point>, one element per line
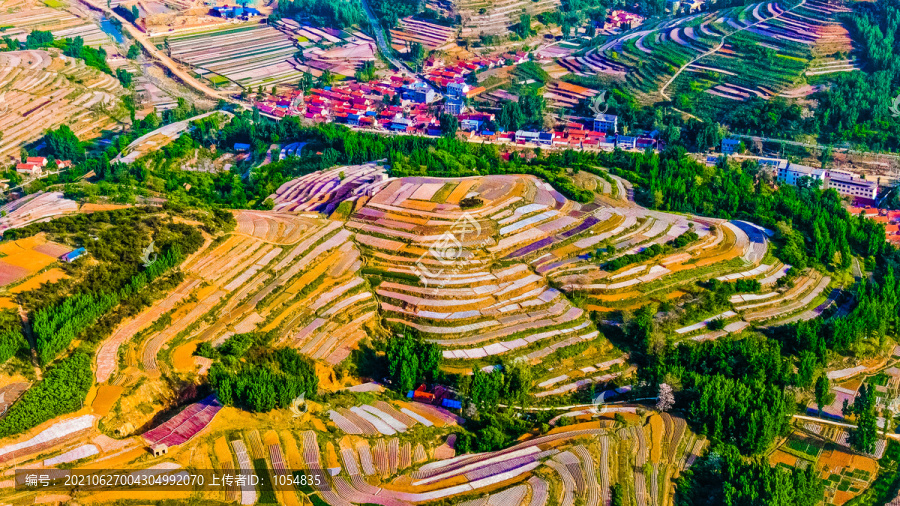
<point>164,59</point>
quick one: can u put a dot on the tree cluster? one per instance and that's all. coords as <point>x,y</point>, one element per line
<point>333,13</point>
<point>61,391</point>
<point>726,478</point>
<point>259,378</point>
<point>12,341</point>
<point>732,389</point>
<point>56,326</point>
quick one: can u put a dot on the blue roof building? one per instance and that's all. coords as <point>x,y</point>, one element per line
<point>730,146</point>
<point>449,403</point>
<point>72,255</point>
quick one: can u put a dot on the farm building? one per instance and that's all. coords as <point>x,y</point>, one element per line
<point>28,168</point>
<point>846,184</point>
<point>469,124</point>
<point>730,146</point>
<point>233,11</point>
<point>626,142</point>
<point>606,123</point>
<point>453,106</point>
<point>852,186</point>
<point>623,19</point>
<point>73,255</point>
<point>458,89</point>
<point>419,92</point>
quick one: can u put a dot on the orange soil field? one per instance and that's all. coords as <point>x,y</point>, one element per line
<point>223,454</point>
<point>291,451</point>
<point>21,253</point>
<point>183,357</point>
<point>270,438</point>
<point>331,458</point>
<point>420,205</point>
<point>7,303</point>
<point>657,429</point>
<point>780,457</point>
<point>50,276</point>
<point>92,208</point>
<point>841,497</point>
<point>835,458</point>
<point>421,412</point>
<point>865,463</point>
<point>133,495</point>
<point>120,461</point>
<point>581,426</point>
<point>106,397</point>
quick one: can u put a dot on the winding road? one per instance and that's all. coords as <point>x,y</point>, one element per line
<point>386,49</point>
<point>164,59</point>
<point>383,46</point>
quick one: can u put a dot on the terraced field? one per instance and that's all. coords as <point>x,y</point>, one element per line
<point>249,55</point>
<point>294,275</point>
<point>23,17</point>
<point>430,35</point>
<point>480,17</point>
<point>721,51</point>
<point>846,473</point>
<point>496,280</point>
<point>578,463</point>
<point>39,90</point>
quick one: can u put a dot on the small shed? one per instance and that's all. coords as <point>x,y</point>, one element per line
<point>73,255</point>
<point>160,450</point>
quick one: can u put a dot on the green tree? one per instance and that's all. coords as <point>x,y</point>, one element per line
<point>124,77</point>
<point>807,369</point>
<point>63,144</point>
<point>866,434</point>
<point>62,390</point>
<point>824,396</point>
<point>726,478</point>
<point>523,29</point>
<point>449,125</point>
<point>410,360</point>
<point>618,495</point>
<point>511,117</point>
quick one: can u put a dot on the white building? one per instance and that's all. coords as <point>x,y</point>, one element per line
<point>845,183</point>
<point>852,185</point>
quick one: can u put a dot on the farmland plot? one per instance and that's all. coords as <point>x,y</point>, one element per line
<point>24,19</point>
<point>248,56</point>
<point>496,18</point>
<point>801,39</point>
<point>339,51</point>
<point>575,461</point>
<point>430,35</point>
<point>35,207</point>
<point>466,303</point>
<point>42,90</point>
<point>323,191</point>
<point>280,272</point>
